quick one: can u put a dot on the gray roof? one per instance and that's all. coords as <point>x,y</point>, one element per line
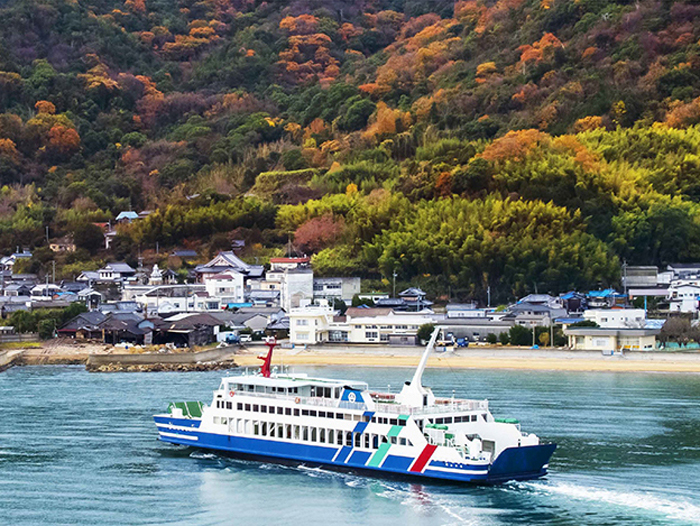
<point>120,267</point>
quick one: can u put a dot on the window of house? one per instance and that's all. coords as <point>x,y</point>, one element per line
<point>371,335</point>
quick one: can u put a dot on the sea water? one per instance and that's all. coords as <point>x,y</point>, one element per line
<point>78,448</point>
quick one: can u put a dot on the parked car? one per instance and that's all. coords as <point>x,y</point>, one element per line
<point>233,338</point>
<point>245,338</point>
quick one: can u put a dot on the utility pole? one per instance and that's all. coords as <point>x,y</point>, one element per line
<point>47,234</point>
<point>624,277</point>
<point>488,296</point>
<point>533,333</point>
<point>394,288</point>
<point>53,262</point>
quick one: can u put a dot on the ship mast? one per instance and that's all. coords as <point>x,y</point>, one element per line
<point>413,393</point>
<point>267,360</point>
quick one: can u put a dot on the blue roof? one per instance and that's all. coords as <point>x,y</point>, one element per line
<point>602,293</point>
<point>571,295</point>
<point>127,215</point>
<point>239,305</point>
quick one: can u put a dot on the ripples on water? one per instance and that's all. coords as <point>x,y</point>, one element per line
<point>79,448</point>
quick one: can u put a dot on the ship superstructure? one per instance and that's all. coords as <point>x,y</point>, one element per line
<point>341,424</point>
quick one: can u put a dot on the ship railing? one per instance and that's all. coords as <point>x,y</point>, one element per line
<point>438,408</point>
<point>442,405</point>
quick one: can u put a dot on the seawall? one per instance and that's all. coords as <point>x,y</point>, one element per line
<point>211,359</point>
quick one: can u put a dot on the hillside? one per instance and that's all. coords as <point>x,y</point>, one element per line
<point>515,145</point>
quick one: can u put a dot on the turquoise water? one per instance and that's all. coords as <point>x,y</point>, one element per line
<point>79,448</point>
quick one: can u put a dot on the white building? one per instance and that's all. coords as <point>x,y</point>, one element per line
<point>684,294</point>
<point>608,340</point>
<point>227,286</point>
<point>115,272</point>
<point>616,318</point>
<point>336,288</point>
<point>318,323</point>
<point>465,310</point>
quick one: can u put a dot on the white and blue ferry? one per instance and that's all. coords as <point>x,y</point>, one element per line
<point>341,424</point>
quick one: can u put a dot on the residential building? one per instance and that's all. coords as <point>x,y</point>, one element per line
<point>228,261</point>
<point>289,263</point>
<point>535,310</point>
<point>609,340</point>
<point>89,277</point>
<point>341,288</point>
<point>473,329</point>
<point>604,299</point>
<point>127,216</point>
<point>616,318</point>
<point>114,272</point>
<point>684,295</point>
<point>228,286</point>
<point>318,323</point>
<point>465,310</point>
<point>45,291</point>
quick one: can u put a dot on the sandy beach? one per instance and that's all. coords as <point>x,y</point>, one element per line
<point>482,358</point>
<point>69,352</point>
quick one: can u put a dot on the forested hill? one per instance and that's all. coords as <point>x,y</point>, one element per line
<point>512,144</point>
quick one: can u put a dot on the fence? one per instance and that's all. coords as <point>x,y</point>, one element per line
<point>11,338</point>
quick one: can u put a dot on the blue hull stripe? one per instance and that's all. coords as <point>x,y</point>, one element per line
<point>519,464</point>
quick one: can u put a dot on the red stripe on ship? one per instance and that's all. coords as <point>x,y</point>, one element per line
<point>423,458</point>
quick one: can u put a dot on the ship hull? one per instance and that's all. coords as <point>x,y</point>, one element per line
<point>521,463</point>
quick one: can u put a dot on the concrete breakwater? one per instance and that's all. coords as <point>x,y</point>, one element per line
<point>8,359</point>
<point>187,361</point>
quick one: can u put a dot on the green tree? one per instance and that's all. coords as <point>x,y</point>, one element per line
<point>425,331</point>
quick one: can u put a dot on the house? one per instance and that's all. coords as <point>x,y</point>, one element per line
<point>17,289</point>
<point>684,295</point>
<point>319,323</point>
<point>289,263</point>
<point>90,297</point>
<point>7,262</point>
<point>127,217</point>
<point>341,288</point>
<point>414,298</point>
<point>73,286</point>
<point>84,326</point>
<point>616,318</point>
<point>89,277</point>
<point>119,327</point>
<point>45,291</point>
<point>539,312</point>
<point>228,286</point>
<point>170,299</point>
<point>116,272</point>
<point>228,261</point>
<point>604,299</point>
<point>464,310</point>
<point>609,340</point>
<point>263,298</point>
<point>573,302</point>
<point>187,329</point>
<point>64,244</point>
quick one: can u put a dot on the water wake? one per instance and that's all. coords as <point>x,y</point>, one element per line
<point>677,509</point>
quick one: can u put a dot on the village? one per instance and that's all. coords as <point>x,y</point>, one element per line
<point>228,301</point>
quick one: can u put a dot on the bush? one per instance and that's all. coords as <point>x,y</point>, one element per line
<point>520,335</point>
<point>425,331</point>
<point>491,338</point>
<point>46,329</point>
<point>504,338</point>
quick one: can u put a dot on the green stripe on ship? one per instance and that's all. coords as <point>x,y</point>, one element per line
<point>395,430</point>
<point>378,457</point>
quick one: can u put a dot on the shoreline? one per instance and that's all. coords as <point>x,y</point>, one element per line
<point>100,358</point>
<point>494,359</point>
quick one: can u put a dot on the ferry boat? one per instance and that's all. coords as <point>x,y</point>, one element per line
<point>342,425</point>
